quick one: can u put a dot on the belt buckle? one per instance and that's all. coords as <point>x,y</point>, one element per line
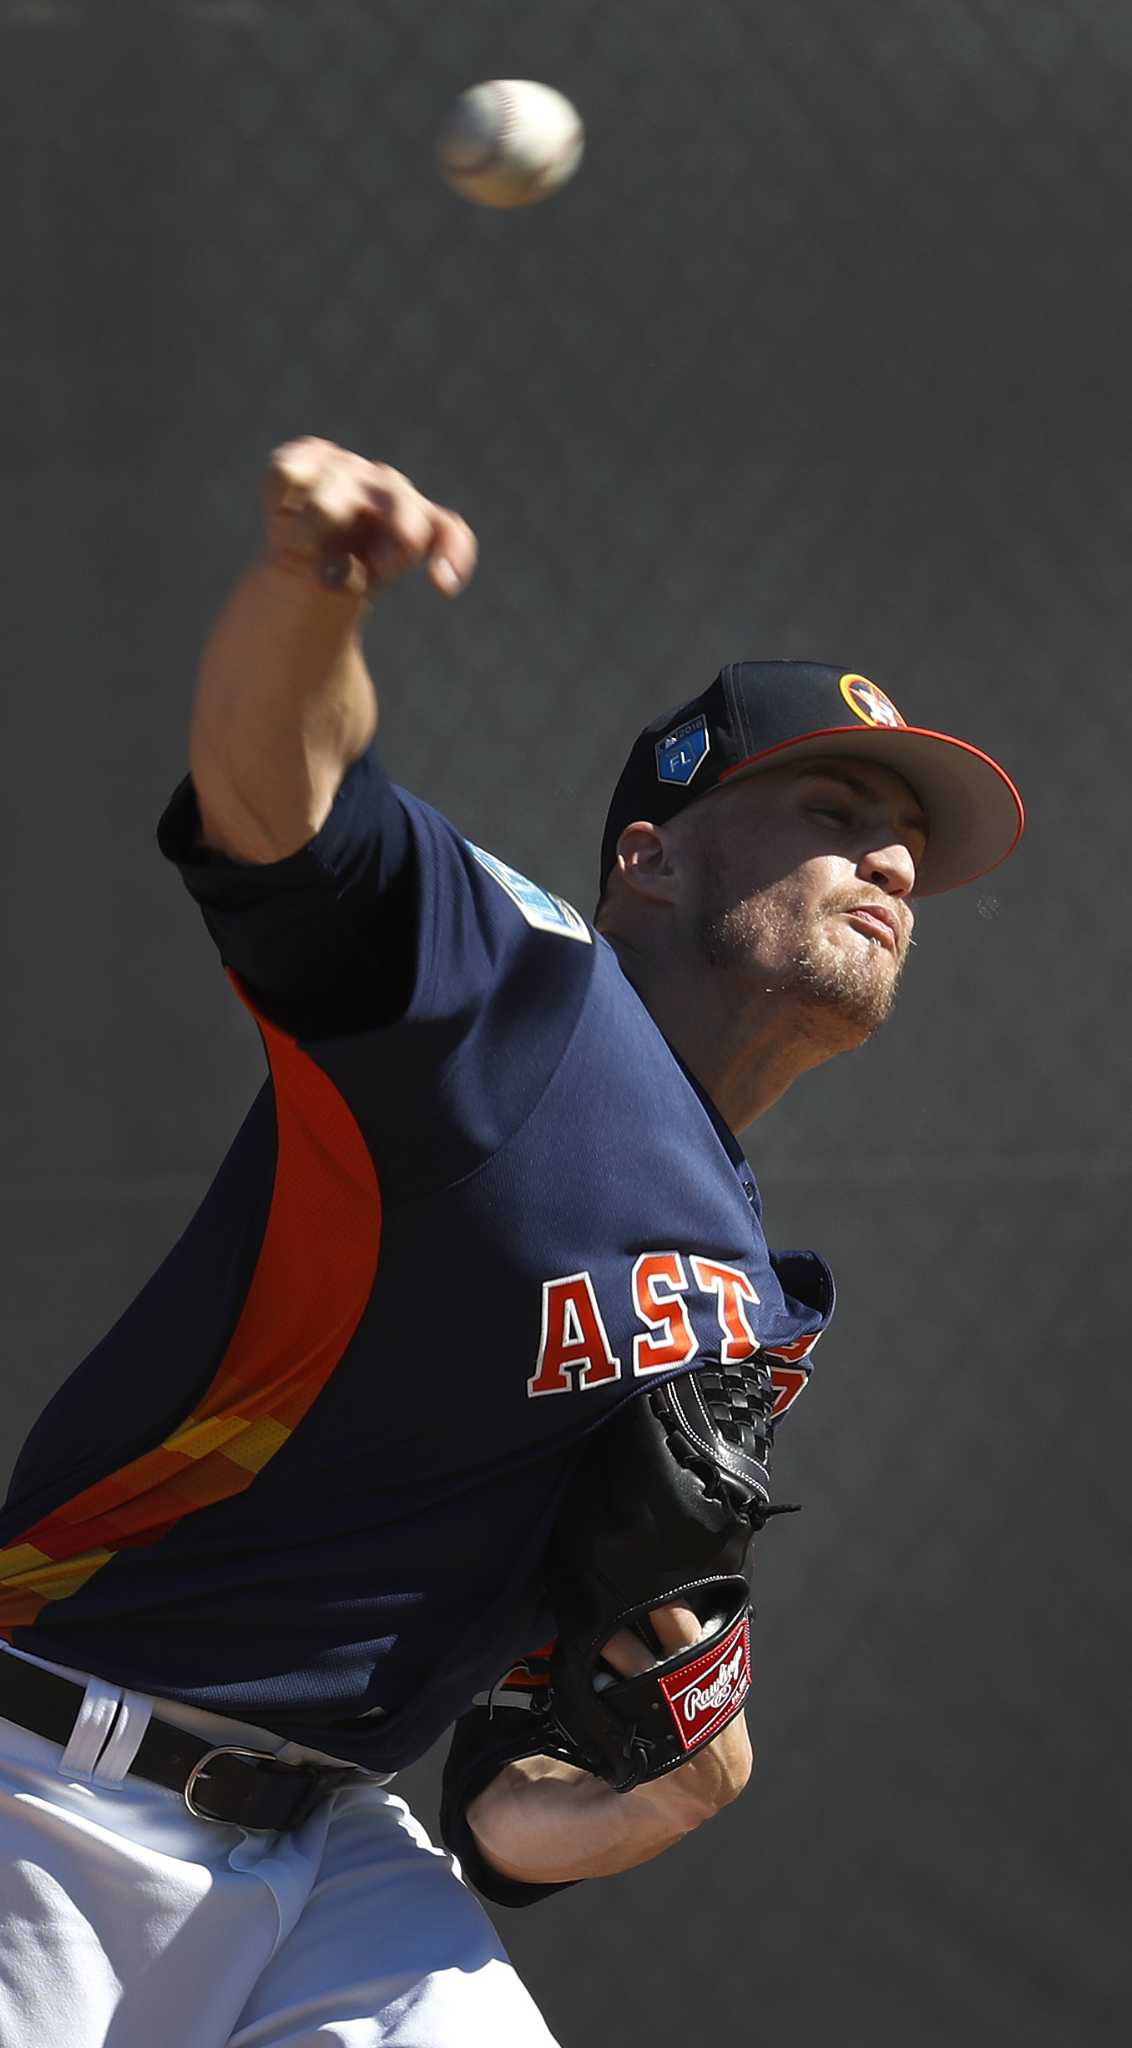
<point>262,1756</point>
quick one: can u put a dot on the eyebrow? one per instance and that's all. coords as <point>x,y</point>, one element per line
<point>912,821</point>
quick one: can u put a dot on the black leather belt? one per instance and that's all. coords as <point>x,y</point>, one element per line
<point>249,1788</point>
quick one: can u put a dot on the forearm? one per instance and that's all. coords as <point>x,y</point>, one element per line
<point>541,1821</point>
<point>284,702</point>
<point>284,705</point>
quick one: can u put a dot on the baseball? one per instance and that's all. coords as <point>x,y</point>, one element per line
<point>510,142</point>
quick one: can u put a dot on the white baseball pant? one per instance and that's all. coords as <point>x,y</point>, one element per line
<point>126,1922</point>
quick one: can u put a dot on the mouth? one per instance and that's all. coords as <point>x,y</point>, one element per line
<point>877,922</point>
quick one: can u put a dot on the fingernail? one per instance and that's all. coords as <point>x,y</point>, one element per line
<point>445,574</point>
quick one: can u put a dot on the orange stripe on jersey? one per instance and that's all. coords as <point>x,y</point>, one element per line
<point>311,1283</point>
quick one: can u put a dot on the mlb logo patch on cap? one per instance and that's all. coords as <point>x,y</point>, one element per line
<point>680,753</point>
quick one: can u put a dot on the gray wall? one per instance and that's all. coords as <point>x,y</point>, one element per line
<point>825,352</point>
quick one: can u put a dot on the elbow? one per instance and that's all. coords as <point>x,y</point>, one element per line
<point>244,830</point>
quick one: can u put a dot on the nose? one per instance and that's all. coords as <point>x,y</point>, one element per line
<point>890,868</point>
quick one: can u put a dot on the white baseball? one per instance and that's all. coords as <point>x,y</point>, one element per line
<point>509,142</point>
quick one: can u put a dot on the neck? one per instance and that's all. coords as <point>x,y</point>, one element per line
<point>745,1047</point>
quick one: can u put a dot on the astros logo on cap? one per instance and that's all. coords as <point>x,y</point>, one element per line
<point>868,702</point>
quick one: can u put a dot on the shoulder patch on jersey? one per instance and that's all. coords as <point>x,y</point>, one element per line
<point>545,912</point>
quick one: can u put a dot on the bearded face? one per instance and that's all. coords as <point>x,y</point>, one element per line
<point>803,876</point>
<point>793,947</point>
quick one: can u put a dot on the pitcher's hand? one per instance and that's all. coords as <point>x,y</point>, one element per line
<point>357,526</point>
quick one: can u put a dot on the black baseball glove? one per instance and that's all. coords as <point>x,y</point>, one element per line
<point>662,1508</point>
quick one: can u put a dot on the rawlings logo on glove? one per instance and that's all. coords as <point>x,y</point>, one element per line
<point>700,1708</point>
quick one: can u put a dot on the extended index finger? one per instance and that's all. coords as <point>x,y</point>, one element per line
<point>675,1627</point>
<point>627,1654</point>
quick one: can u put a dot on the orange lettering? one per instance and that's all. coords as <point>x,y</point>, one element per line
<point>788,1383</point>
<point>659,1280</point>
<point>574,1339</point>
<point>731,1288</point>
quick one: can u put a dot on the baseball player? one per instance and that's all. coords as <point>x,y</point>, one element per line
<point>483,1266</point>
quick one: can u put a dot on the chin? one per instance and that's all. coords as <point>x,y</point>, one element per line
<point>859,1011</point>
<point>843,992</point>
<point>853,992</point>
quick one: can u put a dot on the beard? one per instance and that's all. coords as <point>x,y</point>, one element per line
<point>778,944</point>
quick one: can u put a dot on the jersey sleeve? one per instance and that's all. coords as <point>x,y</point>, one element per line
<point>325,940</point>
<point>435,985</point>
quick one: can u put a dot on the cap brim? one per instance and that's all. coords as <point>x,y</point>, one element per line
<point>975,814</point>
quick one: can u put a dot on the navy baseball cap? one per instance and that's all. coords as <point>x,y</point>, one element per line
<point>763,714</point>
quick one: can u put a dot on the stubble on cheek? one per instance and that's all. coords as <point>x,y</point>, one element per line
<point>780,946</point>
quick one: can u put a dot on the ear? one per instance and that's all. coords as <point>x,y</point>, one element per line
<point>644,862</point>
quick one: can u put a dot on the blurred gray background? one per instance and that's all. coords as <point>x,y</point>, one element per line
<point>825,352</point>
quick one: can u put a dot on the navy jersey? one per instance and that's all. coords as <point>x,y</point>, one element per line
<point>308,1477</point>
